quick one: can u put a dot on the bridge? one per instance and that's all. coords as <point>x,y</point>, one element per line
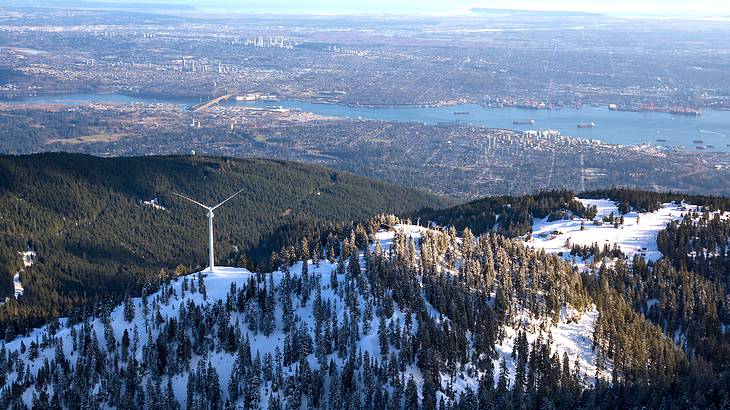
<point>215,101</point>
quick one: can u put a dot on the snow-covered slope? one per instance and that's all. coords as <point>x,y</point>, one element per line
<point>217,285</point>
<point>637,235</point>
<point>572,334</point>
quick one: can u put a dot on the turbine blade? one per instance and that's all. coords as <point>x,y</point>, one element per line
<point>193,201</point>
<point>229,198</point>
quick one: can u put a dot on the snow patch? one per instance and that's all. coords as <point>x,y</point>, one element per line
<point>385,237</point>
<point>154,203</point>
<point>17,286</point>
<point>651,303</point>
<point>28,258</point>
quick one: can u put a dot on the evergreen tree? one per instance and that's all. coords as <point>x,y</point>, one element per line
<point>201,286</point>
<point>129,310</point>
<point>411,396</point>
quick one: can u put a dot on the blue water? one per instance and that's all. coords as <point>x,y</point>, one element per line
<point>614,127</point>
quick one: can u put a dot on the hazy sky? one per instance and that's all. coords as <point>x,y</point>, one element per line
<point>622,7</point>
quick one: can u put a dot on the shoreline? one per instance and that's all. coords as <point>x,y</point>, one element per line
<point>182,99</point>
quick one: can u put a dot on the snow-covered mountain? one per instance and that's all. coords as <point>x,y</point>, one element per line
<point>413,318</point>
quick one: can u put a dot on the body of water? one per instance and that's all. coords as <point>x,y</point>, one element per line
<point>710,130</point>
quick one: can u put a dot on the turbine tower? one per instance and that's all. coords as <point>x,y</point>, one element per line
<point>211,254</point>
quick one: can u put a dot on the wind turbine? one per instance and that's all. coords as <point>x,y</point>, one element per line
<point>211,254</point>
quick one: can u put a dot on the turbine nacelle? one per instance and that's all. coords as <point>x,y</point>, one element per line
<point>210,209</point>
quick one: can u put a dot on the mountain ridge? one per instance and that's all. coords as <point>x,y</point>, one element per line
<point>108,224</point>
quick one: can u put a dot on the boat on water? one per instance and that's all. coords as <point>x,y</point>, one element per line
<point>698,141</point>
<point>688,111</point>
<point>461,112</point>
<point>523,122</point>
<point>692,112</point>
<point>587,125</point>
<point>661,140</point>
<point>700,147</point>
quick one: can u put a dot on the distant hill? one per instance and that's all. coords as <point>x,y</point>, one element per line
<point>481,10</point>
<point>93,234</point>
<point>102,5</point>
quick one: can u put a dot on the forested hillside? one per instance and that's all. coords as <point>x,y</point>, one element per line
<point>511,216</point>
<point>410,318</point>
<point>96,227</point>
<point>613,299</point>
<point>664,256</point>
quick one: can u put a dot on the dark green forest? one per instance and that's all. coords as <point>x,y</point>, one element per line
<point>84,217</point>
<point>512,216</point>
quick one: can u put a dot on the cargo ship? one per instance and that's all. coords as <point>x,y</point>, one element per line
<point>587,125</point>
<point>523,122</point>
<point>685,111</point>
<point>616,107</point>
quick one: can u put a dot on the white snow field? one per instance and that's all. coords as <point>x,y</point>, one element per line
<point>632,237</point>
